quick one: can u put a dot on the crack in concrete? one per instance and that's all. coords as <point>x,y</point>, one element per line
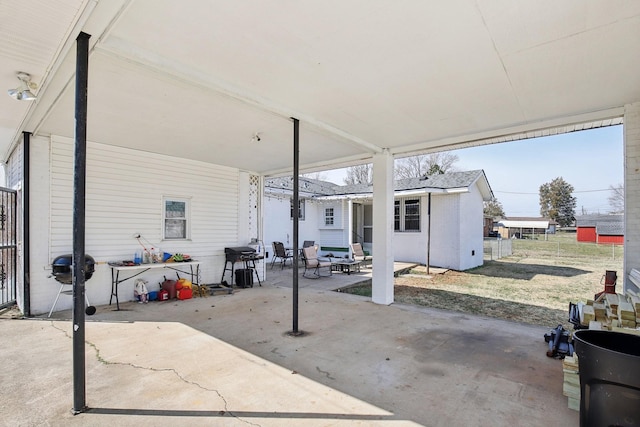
<point>172,370</point>
<point>325,373</point>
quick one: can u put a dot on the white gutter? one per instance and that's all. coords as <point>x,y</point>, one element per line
<point>403,193</point>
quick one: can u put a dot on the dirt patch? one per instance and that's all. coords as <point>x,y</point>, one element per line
<point>530,288</point>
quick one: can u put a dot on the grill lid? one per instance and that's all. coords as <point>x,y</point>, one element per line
<point>61,268</point>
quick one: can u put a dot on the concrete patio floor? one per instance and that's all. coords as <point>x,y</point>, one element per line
<point>228,360</point>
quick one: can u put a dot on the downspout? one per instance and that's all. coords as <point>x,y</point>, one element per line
<point>26,242</point>
<point>428,233</point>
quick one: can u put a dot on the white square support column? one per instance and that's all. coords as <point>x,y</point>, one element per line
<point>382,277</point>
<point>631,191</point>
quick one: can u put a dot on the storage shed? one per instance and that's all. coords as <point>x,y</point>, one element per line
<point>605,229</point>
<point>522,227</point>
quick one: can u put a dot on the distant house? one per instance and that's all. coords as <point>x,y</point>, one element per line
<point>519,227</point>
<point>605,229</point>
<point>439,218</point>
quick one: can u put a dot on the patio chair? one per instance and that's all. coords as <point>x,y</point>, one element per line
<point>306,244</point>
<point>279,252</point>
<point>359,255</point>
<point>313,263</point>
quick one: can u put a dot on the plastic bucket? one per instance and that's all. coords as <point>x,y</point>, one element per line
<point>609,364</point>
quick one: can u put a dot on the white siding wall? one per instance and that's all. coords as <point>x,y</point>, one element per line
<point>123,197</point>
<point>456,231</point>
<point>411,246</point>
<point>43,289</point>
<point>277,221</point>
<point>456,228</point>
<point>445,231</point>
<point>278,225</point>
<point>471,230</point>
<point>336,235</point>
<point>631,190</point>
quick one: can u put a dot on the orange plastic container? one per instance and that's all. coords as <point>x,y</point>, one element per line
<point>185,293</point>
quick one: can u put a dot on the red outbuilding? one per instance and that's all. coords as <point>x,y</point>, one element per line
<point>604,229</point>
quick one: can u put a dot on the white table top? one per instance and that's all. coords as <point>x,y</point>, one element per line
<point>153,265</point>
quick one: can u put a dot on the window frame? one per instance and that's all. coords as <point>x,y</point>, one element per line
<point>186,218</point>
<point>329,220</point>
<point>413,217</point>
<point>406,219</point>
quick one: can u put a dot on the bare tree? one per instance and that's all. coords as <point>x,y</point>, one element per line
<point>360,174</point>
<point>616,199</point>
<point>425,164</point>
<point>320,176</point>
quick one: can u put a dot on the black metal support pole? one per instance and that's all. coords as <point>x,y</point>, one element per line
<point>79,187</point>
<point>26,248</point>
<point>296,198</point>
<point>428,233</point>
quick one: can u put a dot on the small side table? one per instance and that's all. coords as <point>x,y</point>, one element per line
<point>346,266</point>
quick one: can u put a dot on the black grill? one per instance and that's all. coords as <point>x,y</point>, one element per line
<point>61,268</point>
<point>245,254</point>
<point>240,253</point>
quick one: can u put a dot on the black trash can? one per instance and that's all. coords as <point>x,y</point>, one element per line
<point>609,364</point>
<point>244,277</point>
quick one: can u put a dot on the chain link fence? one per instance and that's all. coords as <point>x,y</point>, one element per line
<point>563,247</point>
<point>497,248</point>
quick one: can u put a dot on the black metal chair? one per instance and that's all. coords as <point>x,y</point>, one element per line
<point>279,252</point>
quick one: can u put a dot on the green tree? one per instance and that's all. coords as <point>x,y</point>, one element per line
<point>493,208</point>
<point>360,174</point>
<point>557,203</point>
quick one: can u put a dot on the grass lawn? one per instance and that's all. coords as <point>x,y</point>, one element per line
<point>534,285</point>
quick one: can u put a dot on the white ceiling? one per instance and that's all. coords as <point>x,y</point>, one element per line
<point>199,78</point>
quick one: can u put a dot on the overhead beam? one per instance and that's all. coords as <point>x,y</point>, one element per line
<point>514,133</point>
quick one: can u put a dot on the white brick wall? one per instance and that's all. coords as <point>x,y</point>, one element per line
<point>632,188</point>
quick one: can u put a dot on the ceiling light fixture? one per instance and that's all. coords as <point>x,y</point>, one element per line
<point>23,92</point>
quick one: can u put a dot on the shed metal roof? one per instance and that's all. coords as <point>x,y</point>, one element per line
<point>610,229</point>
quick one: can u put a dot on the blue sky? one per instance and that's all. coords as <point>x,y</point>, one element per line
<point>590,161</point>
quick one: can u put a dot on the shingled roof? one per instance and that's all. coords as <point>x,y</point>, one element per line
<point>435,183</point>
<point>597,219</point>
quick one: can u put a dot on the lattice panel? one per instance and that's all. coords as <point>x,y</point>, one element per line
<point>254,198</point>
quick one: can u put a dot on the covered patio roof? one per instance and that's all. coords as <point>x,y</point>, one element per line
<point>207,79</point>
